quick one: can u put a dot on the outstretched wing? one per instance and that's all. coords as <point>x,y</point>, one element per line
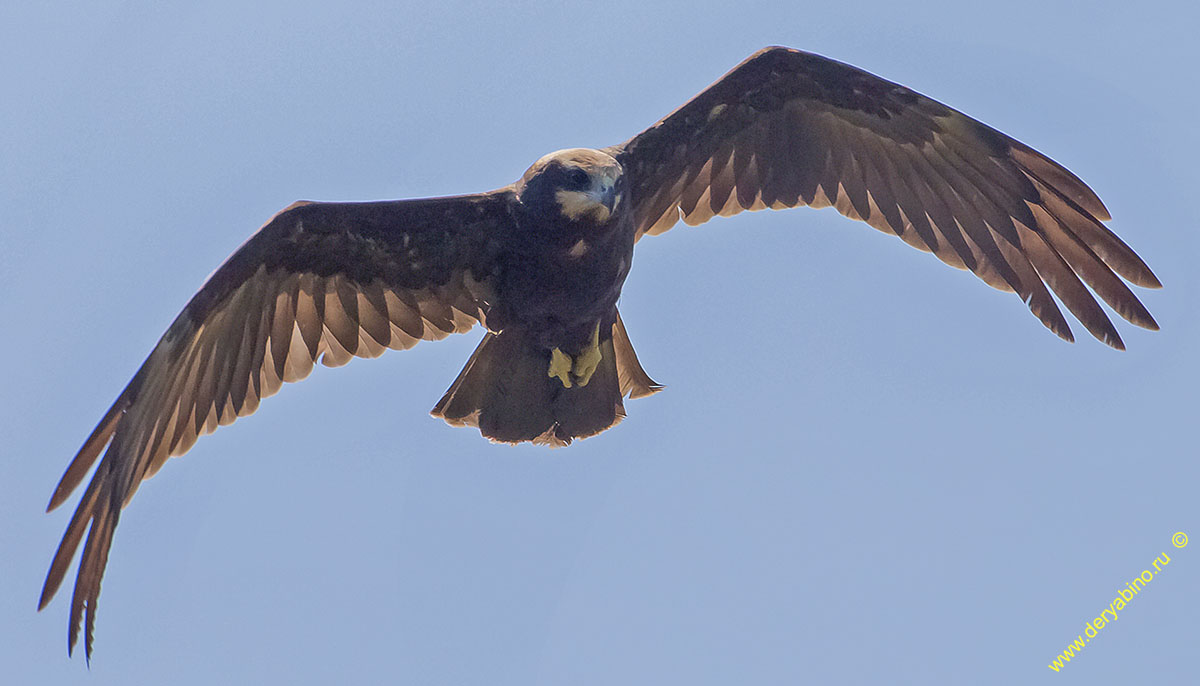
<point>788,128</point>
<point>326,281</point>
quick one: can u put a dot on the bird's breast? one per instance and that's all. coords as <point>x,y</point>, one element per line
<point>566,277</point>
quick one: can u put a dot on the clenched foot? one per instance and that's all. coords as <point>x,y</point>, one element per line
<point>560,367</point>
<point>585,365</point>
<point>580,369</point>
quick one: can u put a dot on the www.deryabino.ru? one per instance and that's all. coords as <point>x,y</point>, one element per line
<point>1109,614</point>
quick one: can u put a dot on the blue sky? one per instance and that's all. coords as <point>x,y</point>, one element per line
<point>867,467</point>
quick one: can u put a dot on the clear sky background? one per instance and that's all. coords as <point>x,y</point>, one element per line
<point>867,467</point>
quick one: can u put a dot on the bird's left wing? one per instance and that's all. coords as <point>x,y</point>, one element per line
<point>787,128</point>
<point>325,281</point>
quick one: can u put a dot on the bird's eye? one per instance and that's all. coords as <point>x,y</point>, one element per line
<point>578,178</point>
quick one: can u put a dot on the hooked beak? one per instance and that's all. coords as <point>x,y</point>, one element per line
<point>597,202</point>
<point>604,194</point>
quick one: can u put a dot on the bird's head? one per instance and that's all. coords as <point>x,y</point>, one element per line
<point>578,184</point>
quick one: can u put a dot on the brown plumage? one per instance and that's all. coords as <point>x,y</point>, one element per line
<point>541,262</point>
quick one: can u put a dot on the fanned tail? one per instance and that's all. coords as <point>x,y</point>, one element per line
<point>505,391</point>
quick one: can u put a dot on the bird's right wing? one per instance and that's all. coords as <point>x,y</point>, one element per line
<point>325,281</point>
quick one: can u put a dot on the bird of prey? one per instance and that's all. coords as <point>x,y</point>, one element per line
<point>540,264</point>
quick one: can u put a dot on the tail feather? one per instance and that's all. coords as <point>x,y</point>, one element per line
<point>504,390</point>
<point>635,382</point>
<point>586,411</point>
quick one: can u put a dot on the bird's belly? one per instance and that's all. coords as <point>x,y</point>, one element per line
<point>560,301</point>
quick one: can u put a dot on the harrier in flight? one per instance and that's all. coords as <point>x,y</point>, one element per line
<point>540,264</point>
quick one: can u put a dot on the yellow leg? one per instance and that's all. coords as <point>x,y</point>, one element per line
<point>560,367</point>
<point>581,368</point>
<point>587,361</point>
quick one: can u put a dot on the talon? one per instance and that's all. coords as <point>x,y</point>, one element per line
<point>560,367</point>
<point>588,360</point>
